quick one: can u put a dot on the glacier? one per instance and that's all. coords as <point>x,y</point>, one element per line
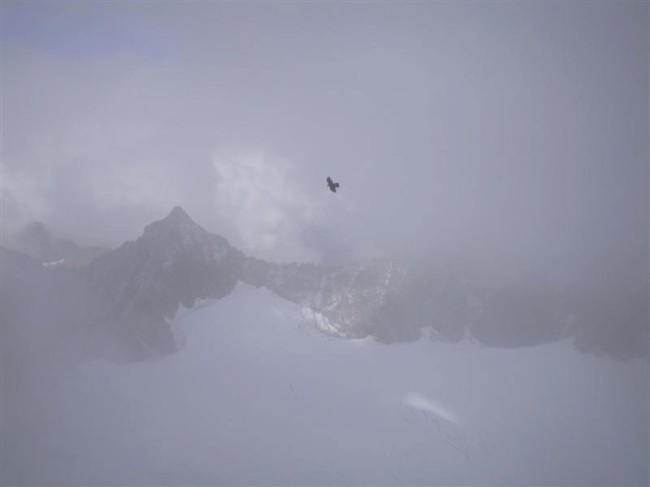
<point>257,396</point>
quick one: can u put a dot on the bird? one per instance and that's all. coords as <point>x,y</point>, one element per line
<point>332,185</point>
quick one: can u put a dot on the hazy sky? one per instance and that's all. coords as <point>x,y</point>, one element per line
<point>514,133</point>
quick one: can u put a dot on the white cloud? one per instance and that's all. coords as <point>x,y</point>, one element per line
<point>264,206</point>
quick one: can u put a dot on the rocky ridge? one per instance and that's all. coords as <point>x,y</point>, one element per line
<point>131,295</point>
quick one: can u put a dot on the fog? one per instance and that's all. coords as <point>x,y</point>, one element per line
<point>515,133</point>
<point>493,162</point>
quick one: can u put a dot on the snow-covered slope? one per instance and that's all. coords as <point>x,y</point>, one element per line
<point>256,396</point>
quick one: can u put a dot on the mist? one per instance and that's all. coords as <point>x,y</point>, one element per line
<point>513,132</point>
<point>470,307</point>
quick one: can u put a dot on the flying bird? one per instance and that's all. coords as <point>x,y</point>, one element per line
<point>332,185</point>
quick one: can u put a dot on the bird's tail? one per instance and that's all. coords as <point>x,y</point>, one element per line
<point>336,185</point>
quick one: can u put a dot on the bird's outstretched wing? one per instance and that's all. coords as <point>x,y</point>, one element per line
<point>332,185</point>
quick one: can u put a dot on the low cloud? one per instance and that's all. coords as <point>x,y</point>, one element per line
<point>263,206</point>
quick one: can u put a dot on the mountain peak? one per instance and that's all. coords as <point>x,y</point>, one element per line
<point>176,224</point>
<point>178,214</point>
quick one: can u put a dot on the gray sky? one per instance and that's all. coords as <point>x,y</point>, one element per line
<point>514,134</point>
